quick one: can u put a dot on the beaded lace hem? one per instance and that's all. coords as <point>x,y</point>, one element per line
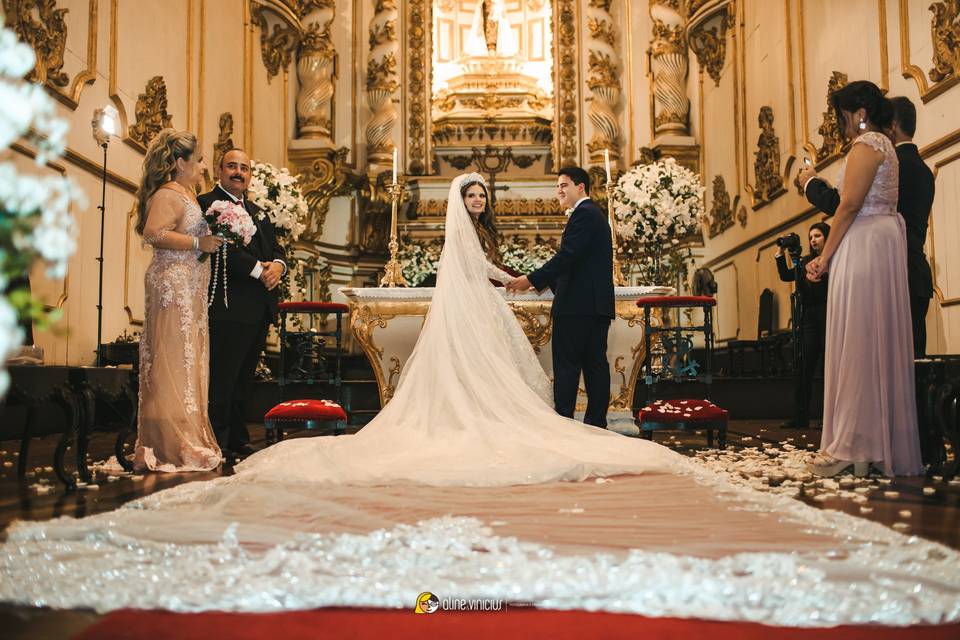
<point>867,574</point>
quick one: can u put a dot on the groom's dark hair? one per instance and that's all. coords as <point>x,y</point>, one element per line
<point>577,176</point>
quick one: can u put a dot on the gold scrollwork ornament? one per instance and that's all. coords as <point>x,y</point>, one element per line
<point>945,34</point>
<point>151,113</point>
<point>47,36</point>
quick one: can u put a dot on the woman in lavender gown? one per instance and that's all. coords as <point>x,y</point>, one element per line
<point>869,414</point>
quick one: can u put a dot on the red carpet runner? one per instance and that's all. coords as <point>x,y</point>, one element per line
<point>528,624</point>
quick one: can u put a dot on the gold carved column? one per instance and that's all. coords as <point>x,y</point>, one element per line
<point>382,84</point>
<point>316,62</point>
<point>669,65</point>
<point>604,82</point>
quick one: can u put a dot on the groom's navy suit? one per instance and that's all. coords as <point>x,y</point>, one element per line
<point>581,277</point>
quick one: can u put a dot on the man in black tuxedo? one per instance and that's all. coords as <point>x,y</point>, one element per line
<point>581,277</point>
<point>914,204</point>
<point>238,332</point>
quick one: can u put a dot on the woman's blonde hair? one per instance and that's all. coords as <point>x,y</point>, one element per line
<point>160,166</point>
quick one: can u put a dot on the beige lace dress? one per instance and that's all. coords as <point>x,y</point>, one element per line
<point>174,432</point>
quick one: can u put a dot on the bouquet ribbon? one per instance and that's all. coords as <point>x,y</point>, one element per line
<point>219,270</point>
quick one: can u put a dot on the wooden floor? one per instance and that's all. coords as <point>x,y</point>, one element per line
<point>935,517</point>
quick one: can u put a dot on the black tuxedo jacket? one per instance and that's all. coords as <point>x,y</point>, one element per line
<point>581,273</point>
<point>249,300</point>
<point>914,204</point>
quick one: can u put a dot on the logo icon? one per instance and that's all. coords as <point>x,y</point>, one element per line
<point>427,603</point>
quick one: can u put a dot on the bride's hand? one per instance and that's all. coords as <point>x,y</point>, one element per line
<point>518,285</point>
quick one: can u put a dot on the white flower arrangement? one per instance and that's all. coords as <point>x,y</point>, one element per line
<point>656,206</point>
<point>658,203</point>
<point>278,194</point>
<point>419,261</point>
<point>519,256</point>
<point>35,219</point>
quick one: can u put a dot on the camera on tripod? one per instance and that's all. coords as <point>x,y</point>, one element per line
<point>791,243</point>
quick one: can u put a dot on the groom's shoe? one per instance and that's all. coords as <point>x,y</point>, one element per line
<point>244,451</point>
<point>239,453</point>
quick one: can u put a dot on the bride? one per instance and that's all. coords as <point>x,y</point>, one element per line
<point>473,405</point>
<point>468,484</point>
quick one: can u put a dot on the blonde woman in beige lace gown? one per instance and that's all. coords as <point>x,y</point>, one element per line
<point>174,432</point>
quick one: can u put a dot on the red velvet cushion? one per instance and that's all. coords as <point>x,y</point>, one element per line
<point>676,301</point>
<point>303,410</point>
<point>681,411</point>
<point>313,307</point>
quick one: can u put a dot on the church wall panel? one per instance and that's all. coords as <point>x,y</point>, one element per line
<point>862,38</point>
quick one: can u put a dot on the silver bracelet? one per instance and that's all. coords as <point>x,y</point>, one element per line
<point>196,243</point>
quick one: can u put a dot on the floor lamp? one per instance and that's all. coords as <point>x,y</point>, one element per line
<point>106,123</point>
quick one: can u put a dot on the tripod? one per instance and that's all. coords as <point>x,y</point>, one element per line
<point>801,401</point>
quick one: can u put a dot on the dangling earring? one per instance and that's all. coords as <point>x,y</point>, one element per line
<point>862,125</point>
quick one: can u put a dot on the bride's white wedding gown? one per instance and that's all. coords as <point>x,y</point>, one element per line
<point>467,484</point>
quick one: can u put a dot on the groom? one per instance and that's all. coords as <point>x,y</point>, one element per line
<point>238,332</point>
<point>581,277</point>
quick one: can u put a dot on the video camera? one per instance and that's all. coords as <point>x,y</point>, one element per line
<point>791,243</point>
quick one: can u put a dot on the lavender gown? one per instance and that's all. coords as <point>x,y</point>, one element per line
<point>869,406</point>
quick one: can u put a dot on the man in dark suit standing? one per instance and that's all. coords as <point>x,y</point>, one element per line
<point>581,277</point>
<point>238,332</point>
<point>914,204</point>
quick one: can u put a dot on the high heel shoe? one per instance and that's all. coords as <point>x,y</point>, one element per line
<point>827,466</point>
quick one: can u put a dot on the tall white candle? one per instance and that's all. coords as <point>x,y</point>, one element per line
<point>606,162</point>
<point>394,165</point>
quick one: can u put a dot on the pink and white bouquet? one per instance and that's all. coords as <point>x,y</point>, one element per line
<point>231,222</point>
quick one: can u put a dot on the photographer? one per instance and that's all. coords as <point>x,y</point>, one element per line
<point>809,314</point>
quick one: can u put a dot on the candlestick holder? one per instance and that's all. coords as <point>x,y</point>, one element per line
<point>393,273</point>
<point>618,279</point>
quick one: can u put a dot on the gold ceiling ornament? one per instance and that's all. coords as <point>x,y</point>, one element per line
<point>151,114</point>
<point>721,210</point>
<point>316,62</point>
<point>829,128</point>
<point>47,35</point>
<point>224,140</point>
<point>945,34</point>
<point>708,40</point>
<point>276,46</point>
<point>382,84</point>
<point>566,139</point>
<point>669,64</point>
<point>323,175</point>
<point>766,166</point>
<point>418,106</point>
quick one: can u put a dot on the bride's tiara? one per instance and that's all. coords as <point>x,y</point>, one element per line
<point>471,178</point>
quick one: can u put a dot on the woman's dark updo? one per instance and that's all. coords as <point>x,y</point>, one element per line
<point>863,94</point>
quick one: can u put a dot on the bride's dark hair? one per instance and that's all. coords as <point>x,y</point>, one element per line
<point>486,219</point>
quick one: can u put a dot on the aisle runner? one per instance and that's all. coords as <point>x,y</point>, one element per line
<point>375,624</point>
